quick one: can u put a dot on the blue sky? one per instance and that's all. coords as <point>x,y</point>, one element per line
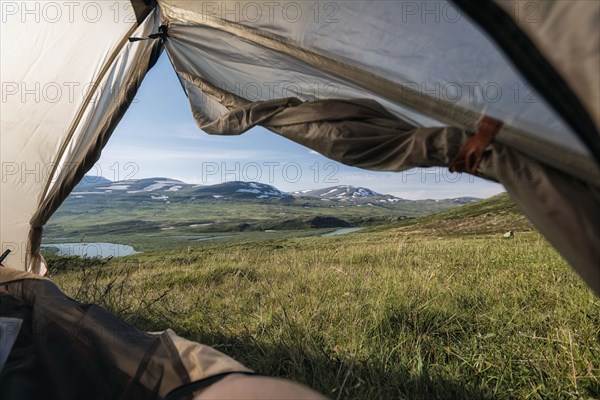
<point>159,138</point>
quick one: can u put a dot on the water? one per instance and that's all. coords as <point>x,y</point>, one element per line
<point>197,237</point>
<point>101,250</point>
<point>341,231</point>
<point>190,237</point>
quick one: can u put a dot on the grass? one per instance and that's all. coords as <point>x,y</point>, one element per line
<point>390,313</point>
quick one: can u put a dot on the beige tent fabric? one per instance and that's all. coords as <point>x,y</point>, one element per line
<point>357,132</point>
<point>11,275</point>
<point>131,364</point>
<point>447,70</point>
<point>115,92</point>
<point>201,361</point>
<point>567,33</point>
<point>59,111</point>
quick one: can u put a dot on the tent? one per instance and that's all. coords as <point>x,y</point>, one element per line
<point>505,90</point>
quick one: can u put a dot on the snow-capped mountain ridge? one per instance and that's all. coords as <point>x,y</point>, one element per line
<point>339,192</point>
<point>165,189</point>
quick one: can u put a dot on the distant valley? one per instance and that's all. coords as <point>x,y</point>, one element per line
<point>161,213</point>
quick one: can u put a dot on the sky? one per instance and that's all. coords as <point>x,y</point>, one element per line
<point>159,138</point>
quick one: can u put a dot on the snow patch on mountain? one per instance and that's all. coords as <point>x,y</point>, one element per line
<point>157,185</point>
<point>342,192</point>
<point>115,187</point>
<point>262,190</point>
<point>255,191</point>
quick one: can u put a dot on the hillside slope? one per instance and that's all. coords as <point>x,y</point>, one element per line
<point>498,214</point>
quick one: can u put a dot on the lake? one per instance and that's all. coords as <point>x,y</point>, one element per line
<point>101,250</point>
<point>197,237</point>
<point>341,231</point>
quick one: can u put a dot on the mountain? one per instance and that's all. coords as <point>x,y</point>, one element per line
<point>238,189</point>
<point>465,200</point>
<point>354,194</point>
<point>171,190</point>
<point>342,192</point>
<point>350,194</point>
<point>100,184</point>
<point>89,180</point>
<point>164,189</point>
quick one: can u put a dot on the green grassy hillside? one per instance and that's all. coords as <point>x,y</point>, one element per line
<point>495,215</point>
<point>441,307</point>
